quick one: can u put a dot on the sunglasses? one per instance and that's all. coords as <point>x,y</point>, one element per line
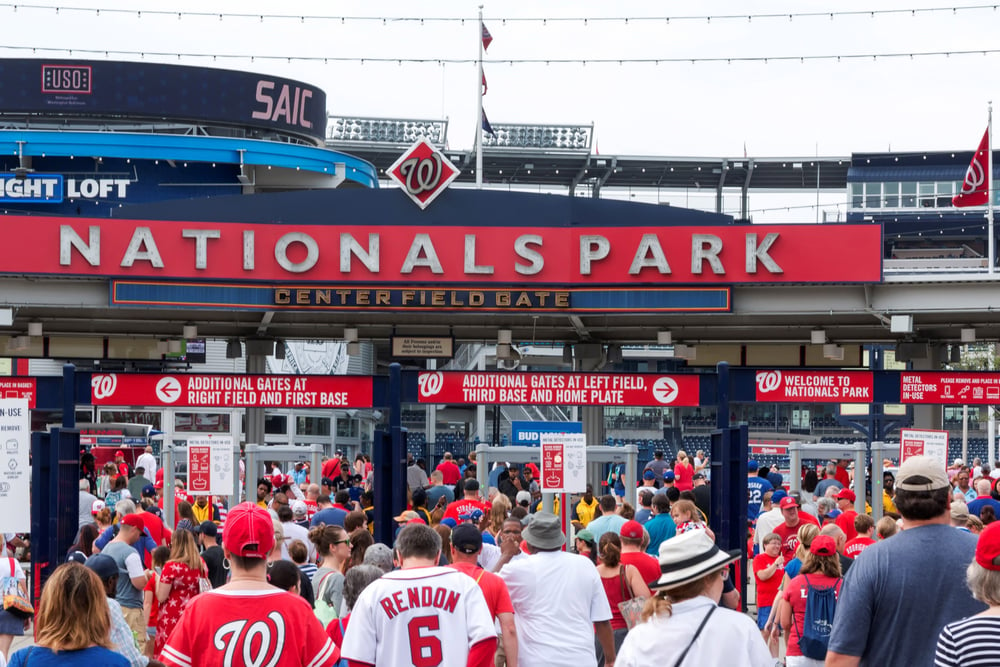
<point>347,542</point>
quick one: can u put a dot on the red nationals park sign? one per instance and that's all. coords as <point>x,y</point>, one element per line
<point>558,388</point>
<point>950,388</point>
<point>265,391</point>
<point>443,255</point>
<point>815,386</point>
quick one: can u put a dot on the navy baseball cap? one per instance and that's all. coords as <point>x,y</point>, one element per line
<point>148,491</point>
<point>649,474</point>
<point>669,475</point>
<point>467,538</point>
<point>104,566</point>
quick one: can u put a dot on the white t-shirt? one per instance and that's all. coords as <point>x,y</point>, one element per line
<point>147,462</point>
<point>491,555</point>
<point>424,615</point>
<point>294,531</point>
<point>557,598</point>
<point>728,638</point>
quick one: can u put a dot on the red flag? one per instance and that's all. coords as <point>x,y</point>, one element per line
<point>976,188</point>
<point>487,37</point>
<point>485,87</point>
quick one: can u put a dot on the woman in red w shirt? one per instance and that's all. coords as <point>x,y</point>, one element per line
<point>683,472</point>
<point>820,569</point>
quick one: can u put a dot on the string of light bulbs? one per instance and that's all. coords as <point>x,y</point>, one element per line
<point>835,57</point>
<point>584,20</point>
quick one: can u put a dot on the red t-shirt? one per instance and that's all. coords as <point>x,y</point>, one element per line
<point>649,567</point>
<point>795,594</point>
<point>450,472</point>
<point>260,627</point>
<point>790,535</point>
<point>766,588</point>
<point>684,476</point>
<point>154,608</point>
<point>464,506</point>
<point>857,545</point>
<point>846,522</point>
<point>154,524</point>
<point>331,468</point>
<point>493,587</point>
<point>842,477</point>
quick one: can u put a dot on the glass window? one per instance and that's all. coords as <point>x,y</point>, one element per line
<point>926,191</point>
<point>909,194</point>
<point>347,428</point>
<point>131,417</point>
<point>194,422</point>
<point>891,196</point>
<point>275,424</point>
<point>313,426</point>
<point>857,190</point>
<point>873,195</point>
<point>944,191</point>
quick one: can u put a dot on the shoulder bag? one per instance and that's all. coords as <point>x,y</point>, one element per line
<point>14,603</point>
<point>323,610</point>
<point>631,608</point>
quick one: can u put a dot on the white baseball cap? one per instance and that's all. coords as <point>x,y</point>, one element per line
<point>299,508</point>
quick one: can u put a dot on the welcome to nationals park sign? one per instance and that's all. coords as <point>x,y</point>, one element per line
<point>803,386</point>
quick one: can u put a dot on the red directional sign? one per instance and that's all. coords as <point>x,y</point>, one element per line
<point>950,388</point>
<point>814,386</point>
<point>266,391</point>
<point>640,389</point>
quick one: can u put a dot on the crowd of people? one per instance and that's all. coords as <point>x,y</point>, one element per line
<point>484,576</point>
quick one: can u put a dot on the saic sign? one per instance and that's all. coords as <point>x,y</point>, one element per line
<point>53,188</point>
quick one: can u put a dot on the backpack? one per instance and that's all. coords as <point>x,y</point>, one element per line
<point>821,606</point>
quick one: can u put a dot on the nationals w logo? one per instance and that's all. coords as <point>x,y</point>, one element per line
<point>423,172</point>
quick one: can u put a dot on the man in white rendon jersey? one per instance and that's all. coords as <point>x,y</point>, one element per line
<point>421,615</point>
<point>248,621</point>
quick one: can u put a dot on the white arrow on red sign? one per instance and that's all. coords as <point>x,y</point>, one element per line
<point>665,390</point>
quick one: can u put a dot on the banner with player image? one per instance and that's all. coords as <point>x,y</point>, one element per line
<point>15,475</point>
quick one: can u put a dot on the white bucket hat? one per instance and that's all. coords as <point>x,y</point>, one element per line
<point>689,557</point>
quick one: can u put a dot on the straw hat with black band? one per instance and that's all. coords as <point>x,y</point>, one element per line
<point>689,557</point>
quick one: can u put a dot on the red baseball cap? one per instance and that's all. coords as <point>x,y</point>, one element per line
<point>133,520</point>
<point>159,484</point>
<point>988,547</point>
<point>632,530</point>
<point>277,481</point>
<point>823,545</point>
<point>120,453</point>
<point>787,502</point>
<point>249,531</point>
<point>846,494</point>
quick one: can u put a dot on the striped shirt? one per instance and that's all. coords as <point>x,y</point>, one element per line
<point>971,642</point>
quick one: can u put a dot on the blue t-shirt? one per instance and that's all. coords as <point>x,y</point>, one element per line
<point>331,516</point>
<point>87,657</point>
<point>900,593</point>
<point>756,488</point>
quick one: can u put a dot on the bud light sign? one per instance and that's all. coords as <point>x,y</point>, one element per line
<point>529,433</point>
<point>31,188</point>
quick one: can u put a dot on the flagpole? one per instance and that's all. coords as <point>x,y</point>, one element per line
<point>479,104</point>
<point>989,188</point>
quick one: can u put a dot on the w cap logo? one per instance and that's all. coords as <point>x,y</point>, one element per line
<point>430,384</point>
<point>768,381</point>
<point>423,172</point>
